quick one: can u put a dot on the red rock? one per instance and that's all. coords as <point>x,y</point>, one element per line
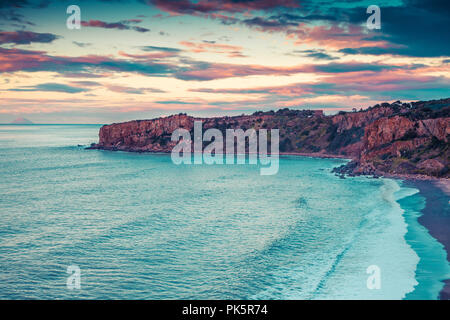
<point>387,138</point>
<point>431,165</point>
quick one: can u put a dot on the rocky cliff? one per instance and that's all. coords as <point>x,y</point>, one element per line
<point>404,139</point>
<point>397,138</point>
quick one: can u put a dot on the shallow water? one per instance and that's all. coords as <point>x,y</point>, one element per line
<point>140,227</point>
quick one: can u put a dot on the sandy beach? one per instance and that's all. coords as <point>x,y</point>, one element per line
<point>436,215</point>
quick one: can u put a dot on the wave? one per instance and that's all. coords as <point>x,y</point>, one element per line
<point>339,271</point>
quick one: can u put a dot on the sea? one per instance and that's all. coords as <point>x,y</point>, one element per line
<point>138,226</point>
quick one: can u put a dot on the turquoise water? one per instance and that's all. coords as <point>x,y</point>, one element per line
<point>140,227</point>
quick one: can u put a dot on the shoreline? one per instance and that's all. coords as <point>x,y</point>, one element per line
<point>442,183</point>
<point>435,215</point>
<point>300,154</point>
<point>402,176</point>
<point>315,155</point>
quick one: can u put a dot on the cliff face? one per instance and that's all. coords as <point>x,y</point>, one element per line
<point>143,135</point>
<point>395,138</point>
<point>155,135</point>
<point>347,121</point>
<point>409,140</point>
<point>399,145</point>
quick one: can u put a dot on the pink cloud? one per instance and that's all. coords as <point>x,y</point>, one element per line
<point>231,51</point>
<point>153,55</point>
<point>333,36</point>
<point>122,25</point>
<point>208,6</point>
<point>223,70</point>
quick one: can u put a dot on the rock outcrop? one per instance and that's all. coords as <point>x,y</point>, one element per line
<point>143,135</point>
<point>397,138</point>
<point>411,140</point>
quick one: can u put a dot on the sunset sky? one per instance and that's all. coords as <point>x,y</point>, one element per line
<point>144,59</point>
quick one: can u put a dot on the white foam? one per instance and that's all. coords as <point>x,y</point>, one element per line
<point>380,242</point>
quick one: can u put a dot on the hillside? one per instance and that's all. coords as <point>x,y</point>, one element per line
<point>397,138</point>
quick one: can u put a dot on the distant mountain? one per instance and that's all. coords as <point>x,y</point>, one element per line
<point>21,121</point>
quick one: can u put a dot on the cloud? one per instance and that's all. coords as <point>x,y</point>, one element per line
<point>414,29</point>
<point>83,75</point>
<point>80,86</point>
<point>202,71</point>
<point>208,46</point>
<point>130,90</point>
<point>357,66</point>
<point>400,84</point>
<point>81,44</point>
<point>16,18</point>
<point>153,48</point>
<point>267,25</point>
<point>26,37</point>
<point>148,56</point>
<point>176,102</point>
<point>297,18</point>
<point>180,68</point>
<point>122,25</point>
<point>86,83</point>
<point>51,87</point>
<point>12,60</point>
<point>208,6</point>
<point>132,21</point>
<point>314,54</point>
<point>24,3</point>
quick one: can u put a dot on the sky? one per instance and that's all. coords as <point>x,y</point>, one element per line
<point>142,59</point>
